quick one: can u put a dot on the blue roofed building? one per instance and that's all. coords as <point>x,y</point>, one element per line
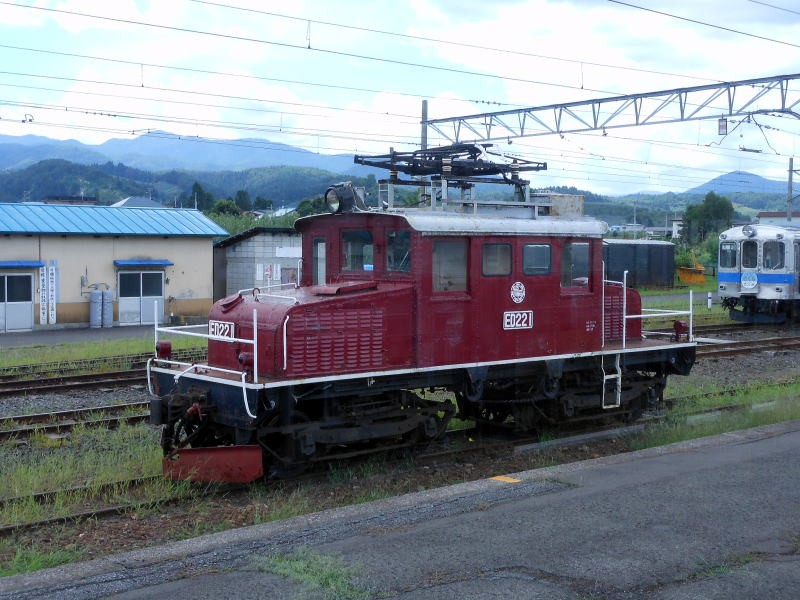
<point>64,266</point>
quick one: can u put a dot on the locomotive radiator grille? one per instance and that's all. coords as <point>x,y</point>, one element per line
<point>613,314</point>
<point>330,341</point>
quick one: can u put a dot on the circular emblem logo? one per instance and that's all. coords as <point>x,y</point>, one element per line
<point>749,280</point>
<point>518,292</point>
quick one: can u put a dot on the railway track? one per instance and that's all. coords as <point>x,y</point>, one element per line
<point>61,422</point>
<point>66,368</point>
<point>725,349</point>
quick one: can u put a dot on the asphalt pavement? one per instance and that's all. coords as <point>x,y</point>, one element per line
<point>712,519</point>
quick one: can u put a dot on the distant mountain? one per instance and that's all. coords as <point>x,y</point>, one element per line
<point>110,182</point>
<point>740,182</point>
<point>162,151</point>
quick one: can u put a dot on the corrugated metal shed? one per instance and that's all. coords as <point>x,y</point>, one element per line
<point>105,220</point>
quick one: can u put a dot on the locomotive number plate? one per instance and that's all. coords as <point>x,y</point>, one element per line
<point>220,329</point>
<point>518,319</point>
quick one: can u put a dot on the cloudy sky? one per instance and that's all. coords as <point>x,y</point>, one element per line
<point>349,77</point>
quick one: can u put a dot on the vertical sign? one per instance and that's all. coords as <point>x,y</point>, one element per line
<point>259,272</point>
<point>51,295</point>
<point>276,272</point>
<point>42,295</point>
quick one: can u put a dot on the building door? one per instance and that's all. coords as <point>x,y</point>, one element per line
<point>16,302</point>
<point>141,297</point>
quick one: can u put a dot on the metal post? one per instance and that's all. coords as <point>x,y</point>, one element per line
<point>255,346</point>
<point>624,307</point>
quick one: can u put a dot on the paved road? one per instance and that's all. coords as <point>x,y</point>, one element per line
<point>711,519</point>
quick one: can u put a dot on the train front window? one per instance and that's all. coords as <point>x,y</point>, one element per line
<point>398,251</point>
<point>773,255</point>
<point>357,250</point>
<point>575,265</point>
<point>749,254</point>
<point>727,255</point>
<point>449,266</point>
<point>496,259</point>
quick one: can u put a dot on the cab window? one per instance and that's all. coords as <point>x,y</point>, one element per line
<point>496,259</point>
<point>773,255</point>
<point>357,250</point>
<point>449,267</point>
<point>575,265</point>
<point>727,255</point>
<point>536,259</point>
<point>398,251</point>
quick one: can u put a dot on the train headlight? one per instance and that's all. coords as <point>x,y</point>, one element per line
<point>749,230</point>
<point>343,198</point>
<point>164,349</point>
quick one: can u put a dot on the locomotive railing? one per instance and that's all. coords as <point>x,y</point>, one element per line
<point>182,330</point>
<point>647,313</point>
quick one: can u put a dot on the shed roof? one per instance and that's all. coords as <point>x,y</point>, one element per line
<point>235,239</point>
<point>55,219</point>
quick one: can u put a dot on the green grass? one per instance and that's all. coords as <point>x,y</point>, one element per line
<point>90,457</point>
<point>43,353</point>
<point>34,559</point>
<point>764,406</point>
<point>318,574</point>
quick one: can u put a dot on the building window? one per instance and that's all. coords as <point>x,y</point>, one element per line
<point>357,251</point>
<point>536,259</point>
<point>575,265</point>
<point>496,259</point>
<point>398,251</point>
<point>450,266</point>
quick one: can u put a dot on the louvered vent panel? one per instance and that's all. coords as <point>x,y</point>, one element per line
<point>333,341</point>
<point>613,314</point>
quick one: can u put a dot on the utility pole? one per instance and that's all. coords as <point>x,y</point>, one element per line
<point>790,196</point>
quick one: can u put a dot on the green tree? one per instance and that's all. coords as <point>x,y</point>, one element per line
<point>225,207</point>
<point>710,217</point>
<point>261,203</point>
<point>311,206</point>
<point>202,199</point>
<point>242,200</point>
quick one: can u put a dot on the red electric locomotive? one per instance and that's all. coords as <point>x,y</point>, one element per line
<point>509,313</point>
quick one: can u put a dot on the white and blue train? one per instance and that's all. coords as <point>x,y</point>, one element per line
<point>758,273</point>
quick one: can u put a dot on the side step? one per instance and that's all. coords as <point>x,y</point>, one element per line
<point>617,376</point>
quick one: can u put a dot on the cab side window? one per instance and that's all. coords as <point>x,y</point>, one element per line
<point>398,251</point>
<point>575,265</point>
<point>536,259</point>
<point>496,259</point>
<point>449,269</point>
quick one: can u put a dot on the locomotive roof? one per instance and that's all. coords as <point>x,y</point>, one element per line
<point>437,223</point>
